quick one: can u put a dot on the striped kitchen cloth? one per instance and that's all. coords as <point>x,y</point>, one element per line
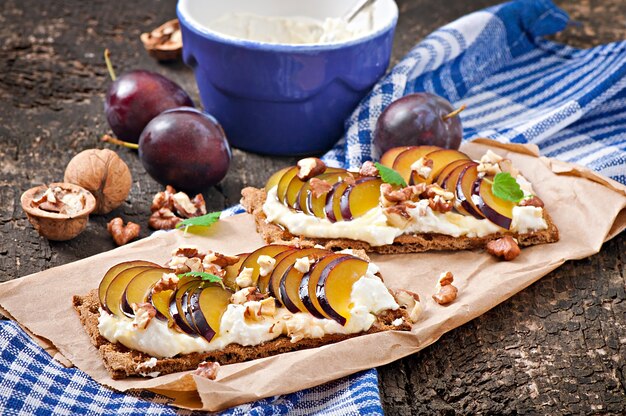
<point>518,87</point>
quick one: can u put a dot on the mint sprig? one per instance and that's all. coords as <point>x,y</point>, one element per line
<point>389,175</point>
<point>505,187</point>
<point>204,276</point>
<point>201,221</point>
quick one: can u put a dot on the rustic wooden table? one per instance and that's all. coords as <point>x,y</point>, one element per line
<point>558,347</point>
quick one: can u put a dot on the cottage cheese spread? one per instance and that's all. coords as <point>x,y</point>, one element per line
<point>294,30</point>
<point>369,296</point>
<point>377,229</point>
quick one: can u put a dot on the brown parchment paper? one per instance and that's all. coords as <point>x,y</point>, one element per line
<point>586,207</point>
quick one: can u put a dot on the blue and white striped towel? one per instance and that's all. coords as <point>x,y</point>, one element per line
<point>518,87</point>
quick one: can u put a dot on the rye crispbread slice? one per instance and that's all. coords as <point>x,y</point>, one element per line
<point>122,362</point>
<point>253,200</point>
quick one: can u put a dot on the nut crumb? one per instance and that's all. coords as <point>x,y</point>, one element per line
<point>447,292</point>
<point>505,248</point>
<point>207,370</point>
<point>533,201</point>
<point>144,312</point>
<point>319,187</point>
<point>245,278</point>
<point>163,219</point>
<point>121,233</point>
<point>411,302</point>
<point>167,282</point>
<point>369,169</point>
<point>310,167</point>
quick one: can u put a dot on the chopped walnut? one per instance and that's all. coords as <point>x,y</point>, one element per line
<point>163,219</point>
<point>369,169</point>
<point>198,202</point>
<point>61,201</point>
<point>253,311</point>
<point>207,370</point>
<point>245,278</point>
<point>447,292</point>
<point>167,282</point>
<point>506,248</point>
<point>214,269</point>
<point>398,215</point>
<point>221,260</point>
<point>184,207</point>
<point>163,199</point>
<point>434,190</point>
<point>439,204</point>
<point>121,233</point>
<point>389,195</point>
<point>423,167</point>
<point>533,201</point>
<point>319,187</point>
<point>310,167</point>
<point>247,294</point>
<point>169,207</point>
<point>489,163</point>
<point>409,301</point>
<point>188,251</point>
<point>349,180</point>
<point>144,312</point>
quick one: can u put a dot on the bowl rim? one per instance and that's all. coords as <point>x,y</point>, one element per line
<point>189,24</point>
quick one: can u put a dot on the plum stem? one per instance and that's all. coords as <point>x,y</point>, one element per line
<point>107,59</point>
<point>455,112</point>
<point>115,140</point>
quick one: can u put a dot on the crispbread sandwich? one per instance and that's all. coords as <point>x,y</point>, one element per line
<point>148,320</point>
<point>418,198</point>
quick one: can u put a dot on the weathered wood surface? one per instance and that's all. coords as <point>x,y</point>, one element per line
<point>558,347</point>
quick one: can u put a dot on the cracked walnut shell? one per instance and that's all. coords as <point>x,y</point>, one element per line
<point>104,174</point>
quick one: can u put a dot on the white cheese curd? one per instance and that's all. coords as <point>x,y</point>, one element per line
<point>377,229</point>
<point>369,296</point>
<point>292,30</point>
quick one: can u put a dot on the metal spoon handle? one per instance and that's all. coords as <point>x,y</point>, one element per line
<point>356,9</point>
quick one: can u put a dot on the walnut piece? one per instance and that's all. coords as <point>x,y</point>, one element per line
<point>170,207</point>
<point>369,169</point>
<point>310,167</point>
<point>219,259</point>
<point>439,204</point>
<point>163,219</point>
<point>408,193</point>
<point>167,282</point>
<point>207,370</point>
<point>533,201</point>
<point>447,292</point>
<point>104,174</point>
<point>144,312</point>
<point>319,187</point>
<point>506,248</point>
<point>121,233</point>
<point>409,301</point>
<point>423,167</point>
<point>163,199</point>
<point>165,43</point>
<point>188,251</point>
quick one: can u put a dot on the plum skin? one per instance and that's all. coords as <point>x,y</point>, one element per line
<point>416,120</point>
<point>136,97</point>
<point>185,148</point>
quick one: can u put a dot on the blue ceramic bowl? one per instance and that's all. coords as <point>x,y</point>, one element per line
<point>281,99</point>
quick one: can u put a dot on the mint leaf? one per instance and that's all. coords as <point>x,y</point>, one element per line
<point>201,221</point>
<point>389,175</point>
<point>506,187</point>
<point>207,277</point>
